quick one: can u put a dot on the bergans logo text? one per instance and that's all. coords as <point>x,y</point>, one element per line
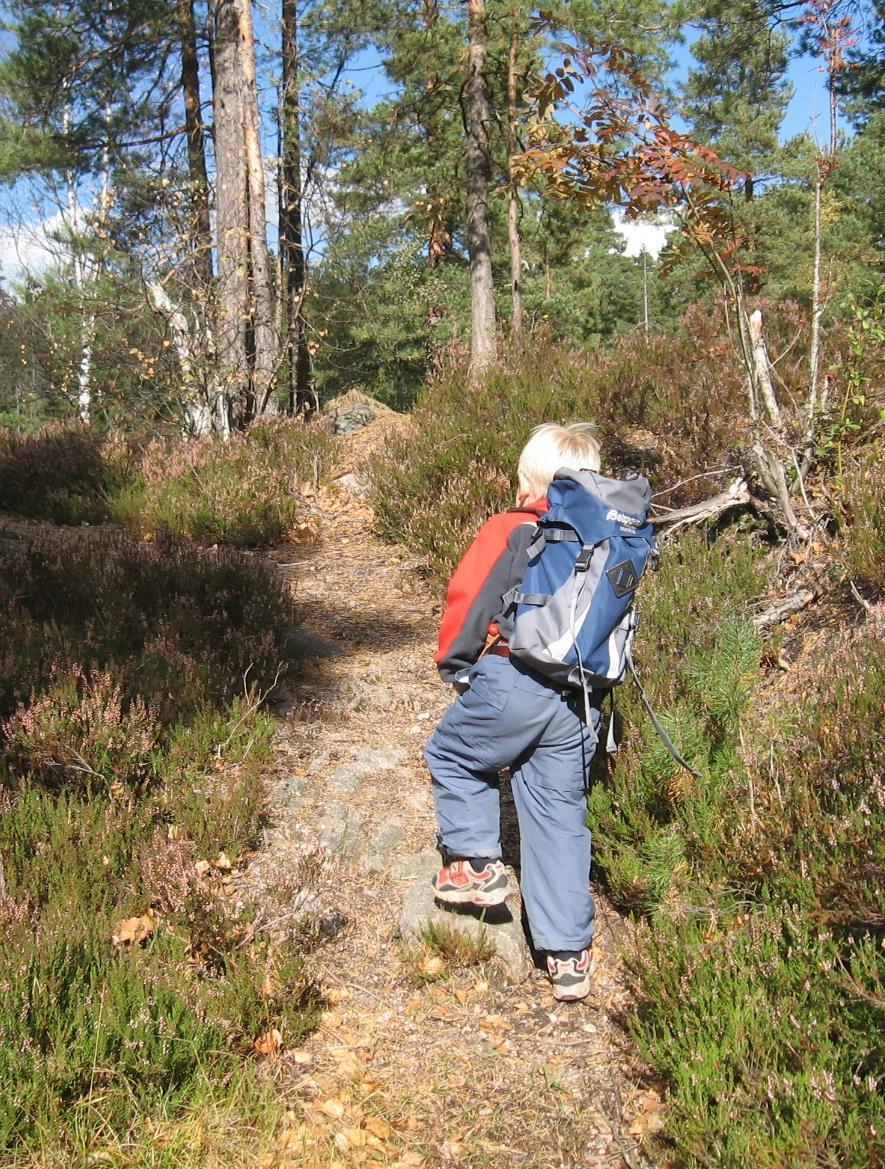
<point>620,518</point>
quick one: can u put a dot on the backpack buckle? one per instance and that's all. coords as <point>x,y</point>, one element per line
<point>623,577</point>
<point>582,563</point>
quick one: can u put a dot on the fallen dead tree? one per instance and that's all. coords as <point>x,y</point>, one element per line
<point>784,608</point>
<point>737,495</point>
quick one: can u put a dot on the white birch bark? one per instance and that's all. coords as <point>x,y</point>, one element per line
<point>483,340</point>
<point>196,409</point>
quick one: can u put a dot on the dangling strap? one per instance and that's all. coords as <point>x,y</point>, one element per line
<point>612,746</point>
<point>656,723</point>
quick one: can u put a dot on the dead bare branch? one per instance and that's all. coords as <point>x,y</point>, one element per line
<point>784,608</point>
<point>737,495</point>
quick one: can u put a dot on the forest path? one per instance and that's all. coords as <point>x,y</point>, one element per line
<point>416,1062</point>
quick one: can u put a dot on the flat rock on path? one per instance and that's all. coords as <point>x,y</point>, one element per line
<point>417,1061</point>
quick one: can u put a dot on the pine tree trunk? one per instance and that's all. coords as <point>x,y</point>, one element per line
<point>483,343</point>
<point>294,263</point>
<point>261,398</point>
<point>196,146</point>
<point>231,218</point>
<point>516,322</point>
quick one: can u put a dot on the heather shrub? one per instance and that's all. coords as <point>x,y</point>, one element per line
<point>434,486</point>
<point>819,794</point>
<point>212,803</point>
<point>758,977</point>
<point>863,514</point>
<point>174,625</point>
<point>67,474</point>
<point>246,492</point>
<point>139,1027</point>
<point>133,756</point>
<point>78,734</point>
<point>764,1023</point>
<point>659,830</point>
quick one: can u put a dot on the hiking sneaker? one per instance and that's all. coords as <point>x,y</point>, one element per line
<point>570,977</point>
<point>459,883</point>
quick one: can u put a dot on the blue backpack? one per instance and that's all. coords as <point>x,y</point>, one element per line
<point>574,618</point>
<point>573,612</point>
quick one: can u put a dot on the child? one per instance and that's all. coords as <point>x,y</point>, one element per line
<point>508,716</point>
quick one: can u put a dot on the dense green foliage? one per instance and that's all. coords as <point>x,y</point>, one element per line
<point>132,747</point>
<point>87,107</point>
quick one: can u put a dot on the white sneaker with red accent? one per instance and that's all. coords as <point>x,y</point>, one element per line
<point>570,977</point>
<point>459,883</point>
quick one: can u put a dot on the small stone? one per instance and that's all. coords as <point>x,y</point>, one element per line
<point>354,484</point>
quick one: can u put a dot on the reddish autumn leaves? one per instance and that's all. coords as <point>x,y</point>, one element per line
<point>620,148</point>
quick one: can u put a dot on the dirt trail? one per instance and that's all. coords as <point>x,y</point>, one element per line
<point>463,1070</point>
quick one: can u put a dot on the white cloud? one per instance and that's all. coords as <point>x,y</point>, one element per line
<point>641,235</point>
<point>29,248</point>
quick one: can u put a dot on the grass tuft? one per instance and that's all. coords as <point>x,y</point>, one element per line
<point>442,949</point>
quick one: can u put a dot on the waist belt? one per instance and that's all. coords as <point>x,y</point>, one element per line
<point>500,649</point>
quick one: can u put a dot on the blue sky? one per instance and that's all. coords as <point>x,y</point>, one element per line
<point>806,113</point>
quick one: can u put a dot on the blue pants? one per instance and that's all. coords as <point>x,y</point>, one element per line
<point>513,718</point>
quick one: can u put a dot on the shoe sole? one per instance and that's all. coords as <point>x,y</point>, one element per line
<point>465,897</point>
<point>575,995</point>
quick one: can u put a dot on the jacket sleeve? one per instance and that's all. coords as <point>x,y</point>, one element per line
<point>493,563</point>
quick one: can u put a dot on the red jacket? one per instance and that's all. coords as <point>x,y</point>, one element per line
<point>492,565</point>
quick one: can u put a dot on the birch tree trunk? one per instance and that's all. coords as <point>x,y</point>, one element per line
<point>86,268</point>
<point>483,342</point>
<point>231,219</point>
<point>294,262</point>
<point>78,264</point>
<point>195,402</point>
<point>261,299</point>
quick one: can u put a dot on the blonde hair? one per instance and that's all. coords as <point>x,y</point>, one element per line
<point>552,446</point>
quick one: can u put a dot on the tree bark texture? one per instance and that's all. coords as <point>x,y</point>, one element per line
<point>264,339</point>
<point>516,321</point>
<point>483,342</point>
<point>195,406</point>
<point>294,261</point>
<point>231,216</point>
<point>196,146</point>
